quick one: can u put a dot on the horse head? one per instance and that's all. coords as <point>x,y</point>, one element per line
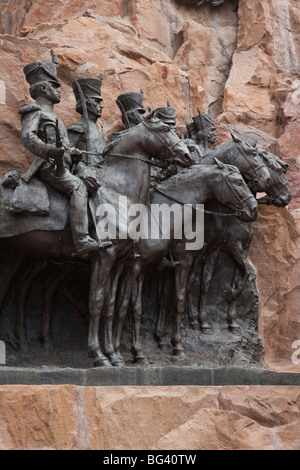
<point>253,169</point>
<point>278,191</point>
<point>231,191</point>
<point>164,142</point>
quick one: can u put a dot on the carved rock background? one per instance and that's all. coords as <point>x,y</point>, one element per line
<point>241,64</point>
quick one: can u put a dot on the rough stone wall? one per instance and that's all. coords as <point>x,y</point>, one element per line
<point>149,418</point>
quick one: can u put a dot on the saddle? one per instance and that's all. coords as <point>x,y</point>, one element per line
<point>28,196</point>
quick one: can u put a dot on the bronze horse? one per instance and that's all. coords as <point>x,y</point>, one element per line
<point>236,243</point>
<point>125,171</point>
<point>197,185</point>
<point>229,235</point>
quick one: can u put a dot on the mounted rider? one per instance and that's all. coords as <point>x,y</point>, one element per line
<point>131,107</point>
<point>167,114</point>
<point>202,132</point>
<point>86,136</point>
<point>44,134</point>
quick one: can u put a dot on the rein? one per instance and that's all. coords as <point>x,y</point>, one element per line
<point>233,214</point>
<point>149,162</point>
<point>162,164</point>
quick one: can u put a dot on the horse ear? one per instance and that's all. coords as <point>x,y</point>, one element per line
<point>150,115</point>
<point>235,138</point>
<point>220,164</point>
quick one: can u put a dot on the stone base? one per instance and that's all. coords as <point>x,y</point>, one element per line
<point>141,376</point>
<point>70,417</point>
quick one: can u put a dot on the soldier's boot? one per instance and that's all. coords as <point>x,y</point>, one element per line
<point>83,242</point>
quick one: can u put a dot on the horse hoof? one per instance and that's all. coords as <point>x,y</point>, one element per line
<point>102,363</point>
<point>205,328</point>
<point>141,360</point>
<point>178,352</point>
<point>116,361</point>
<point>235,330</point>
<point>195,325</point>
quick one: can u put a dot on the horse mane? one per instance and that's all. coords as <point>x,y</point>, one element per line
<point>116,141</point>
<point>186,175</point>
<point>219,150</point>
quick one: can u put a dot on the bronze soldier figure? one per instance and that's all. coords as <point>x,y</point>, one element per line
<point>44,134</point>
<point>202,132</point>
<point>85,135</point>
<point>167,114</point>
<point>131,106</point>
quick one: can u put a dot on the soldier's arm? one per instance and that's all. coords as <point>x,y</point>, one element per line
<point>30,119</point>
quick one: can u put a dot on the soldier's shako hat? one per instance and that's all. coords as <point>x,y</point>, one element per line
<point>200,123</point>
<point>131,100</point>
<point>41,72</point>
<point>167,114</point>
<point>91,88</point>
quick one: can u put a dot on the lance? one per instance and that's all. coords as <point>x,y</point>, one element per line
<point>86,121</point>
<point>88,153</point>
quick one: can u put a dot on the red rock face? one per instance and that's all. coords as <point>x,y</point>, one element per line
<point>149,418</point>
<point>241,65</point>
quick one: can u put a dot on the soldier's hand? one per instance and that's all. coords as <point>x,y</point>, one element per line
<point>76,155</point>
<point>92,184</point>
<point>55,153</point>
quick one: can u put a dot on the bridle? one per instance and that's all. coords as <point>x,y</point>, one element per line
<point>268,200</point>
<point>170,149</point>
<point>161,164</point>
<point>237,195</point>
<point>220,214</point>
<point>254,167</point>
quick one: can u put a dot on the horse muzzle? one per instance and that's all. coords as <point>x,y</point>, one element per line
<point>250,212</point>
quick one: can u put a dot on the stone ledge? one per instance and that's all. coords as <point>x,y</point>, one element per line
<point>139,376</point>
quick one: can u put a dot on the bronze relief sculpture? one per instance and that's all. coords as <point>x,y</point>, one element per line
<point>81,214</point>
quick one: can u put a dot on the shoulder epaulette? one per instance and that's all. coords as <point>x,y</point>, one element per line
<point>29,108</point>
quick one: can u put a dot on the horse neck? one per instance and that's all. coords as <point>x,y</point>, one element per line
<point>188,187</point>
<point>123,171</point>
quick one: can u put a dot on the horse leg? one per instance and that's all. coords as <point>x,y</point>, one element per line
<point>193,287</point>
<point>240,279</point>
<point>22,285</point>
<point>11,268</point>
<point>208,270</point>
<point>101,266</point>
<point>50,286</point>
<point>129,276</point>
<point>164,299</point>
<point>136,347</point>
<point>181,276</point>
<point>109,311</point>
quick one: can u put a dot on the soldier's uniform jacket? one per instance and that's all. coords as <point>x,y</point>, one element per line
<point>98,141</point>
<point>39,135</point>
